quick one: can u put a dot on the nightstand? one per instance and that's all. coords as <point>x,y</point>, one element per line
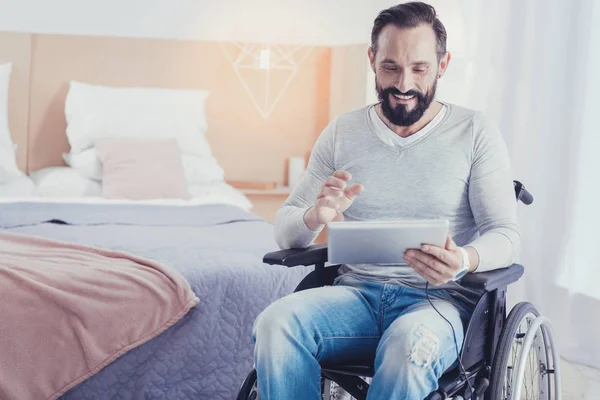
<point>266,202</point>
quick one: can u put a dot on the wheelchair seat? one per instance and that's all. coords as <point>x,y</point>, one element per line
<point>367,369</point>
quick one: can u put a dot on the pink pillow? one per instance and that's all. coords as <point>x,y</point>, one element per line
<point>142,170</point>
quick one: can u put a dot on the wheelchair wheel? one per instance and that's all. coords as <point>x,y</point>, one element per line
<point>524,354</point>
<point>249,391</point>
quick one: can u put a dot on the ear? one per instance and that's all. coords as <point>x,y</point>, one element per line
<point>371,58</point>
<point>444,61</point>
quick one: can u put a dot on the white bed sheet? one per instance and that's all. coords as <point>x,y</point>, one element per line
<point>217,193</point>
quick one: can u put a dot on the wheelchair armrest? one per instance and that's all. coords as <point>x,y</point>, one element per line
<point>492,280</point>
<point>315,254</point>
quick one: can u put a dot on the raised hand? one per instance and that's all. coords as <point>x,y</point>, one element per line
<point>334,198</point>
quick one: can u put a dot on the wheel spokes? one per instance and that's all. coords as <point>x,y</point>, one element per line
<point>534,382</point>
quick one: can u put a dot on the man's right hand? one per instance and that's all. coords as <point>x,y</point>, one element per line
<point>334,198</point>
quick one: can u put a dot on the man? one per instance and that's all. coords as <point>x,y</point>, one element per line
<point>406,157</point>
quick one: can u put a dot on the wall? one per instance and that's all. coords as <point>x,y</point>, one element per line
<point>315,22</point>
<point>348,91</point>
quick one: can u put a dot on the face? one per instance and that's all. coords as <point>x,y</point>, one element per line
<point>406,70</point>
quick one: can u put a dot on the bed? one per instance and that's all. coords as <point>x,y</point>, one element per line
<point>58,113</point>
<point>217,247</point>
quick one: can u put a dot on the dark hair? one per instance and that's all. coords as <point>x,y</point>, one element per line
<point>410,15</point>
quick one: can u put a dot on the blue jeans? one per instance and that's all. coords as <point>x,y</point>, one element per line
<point>356,320</point>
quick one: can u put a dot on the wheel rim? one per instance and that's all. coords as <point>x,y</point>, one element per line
<point>536,383</point>
<point>253,395</point>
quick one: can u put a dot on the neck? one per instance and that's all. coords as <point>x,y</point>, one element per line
<point>406,131</point>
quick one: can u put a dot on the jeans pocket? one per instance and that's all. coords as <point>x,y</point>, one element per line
<point>463,308</point>
<point>339,280</point>
<point>353,281</point>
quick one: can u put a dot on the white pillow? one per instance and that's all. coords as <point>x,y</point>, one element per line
<point>5,139</point>
<point>198,170</point>
<point>86,163</point>
<point>98,112</point>
<point>19,187</point>
<point>201,170</point>
<point>64,182</point>
<point>8,162</point>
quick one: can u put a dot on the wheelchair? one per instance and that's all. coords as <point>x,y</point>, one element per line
<point>502,357</point>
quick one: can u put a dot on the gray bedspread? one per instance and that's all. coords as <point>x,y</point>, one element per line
<point>218,249</point>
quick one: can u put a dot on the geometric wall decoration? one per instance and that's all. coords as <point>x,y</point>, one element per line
<point>265,71</point>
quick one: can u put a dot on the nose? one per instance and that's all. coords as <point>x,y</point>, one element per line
<point>405,81</point>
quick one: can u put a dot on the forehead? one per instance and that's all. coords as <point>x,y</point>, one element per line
<point>407,44</point>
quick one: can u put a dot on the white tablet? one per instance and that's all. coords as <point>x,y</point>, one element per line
<point>381,242</point>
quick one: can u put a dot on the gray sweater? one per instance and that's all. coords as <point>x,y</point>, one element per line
<point>459,171</point>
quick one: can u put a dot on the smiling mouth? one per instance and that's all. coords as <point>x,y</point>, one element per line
<point>403,97</point>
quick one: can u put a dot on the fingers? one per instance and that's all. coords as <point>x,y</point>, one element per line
<point>336,186</point>
<point>429,274</point>
<point>428,260</point>
<point>430,266</point>
<point>328,202</point>
<point>330,191</point>
<point>336,195</point>
<point>447,257</point>
<point>354,191</point>
<point>343,175</point>
<point>336,183</point>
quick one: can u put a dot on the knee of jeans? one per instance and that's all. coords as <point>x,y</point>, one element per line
<point>424,346</point>
<point>420,348</point>
<point>275,322</point>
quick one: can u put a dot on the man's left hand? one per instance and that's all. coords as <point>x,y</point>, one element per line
<point>437,265</point>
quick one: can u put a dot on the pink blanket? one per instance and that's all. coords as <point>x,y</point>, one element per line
<point>67,311</point>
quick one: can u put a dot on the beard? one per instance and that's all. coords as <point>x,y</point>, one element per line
<point>399,115</point>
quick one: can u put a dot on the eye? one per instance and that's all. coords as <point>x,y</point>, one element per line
<point>390,68</point>
<point>420,70</point>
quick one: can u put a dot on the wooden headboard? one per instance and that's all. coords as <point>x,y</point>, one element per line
<point>16,49</point>
<point>248,146</point>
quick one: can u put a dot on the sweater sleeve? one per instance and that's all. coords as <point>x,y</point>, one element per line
<point>492,199</point>
<point>290,229</point>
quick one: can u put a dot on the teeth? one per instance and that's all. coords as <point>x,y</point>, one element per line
<point>403,97</point>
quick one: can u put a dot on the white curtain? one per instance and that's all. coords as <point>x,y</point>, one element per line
<point>533,66</point>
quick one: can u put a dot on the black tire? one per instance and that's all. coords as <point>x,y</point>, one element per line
<point>502,362</point>
<point>248,390</point>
